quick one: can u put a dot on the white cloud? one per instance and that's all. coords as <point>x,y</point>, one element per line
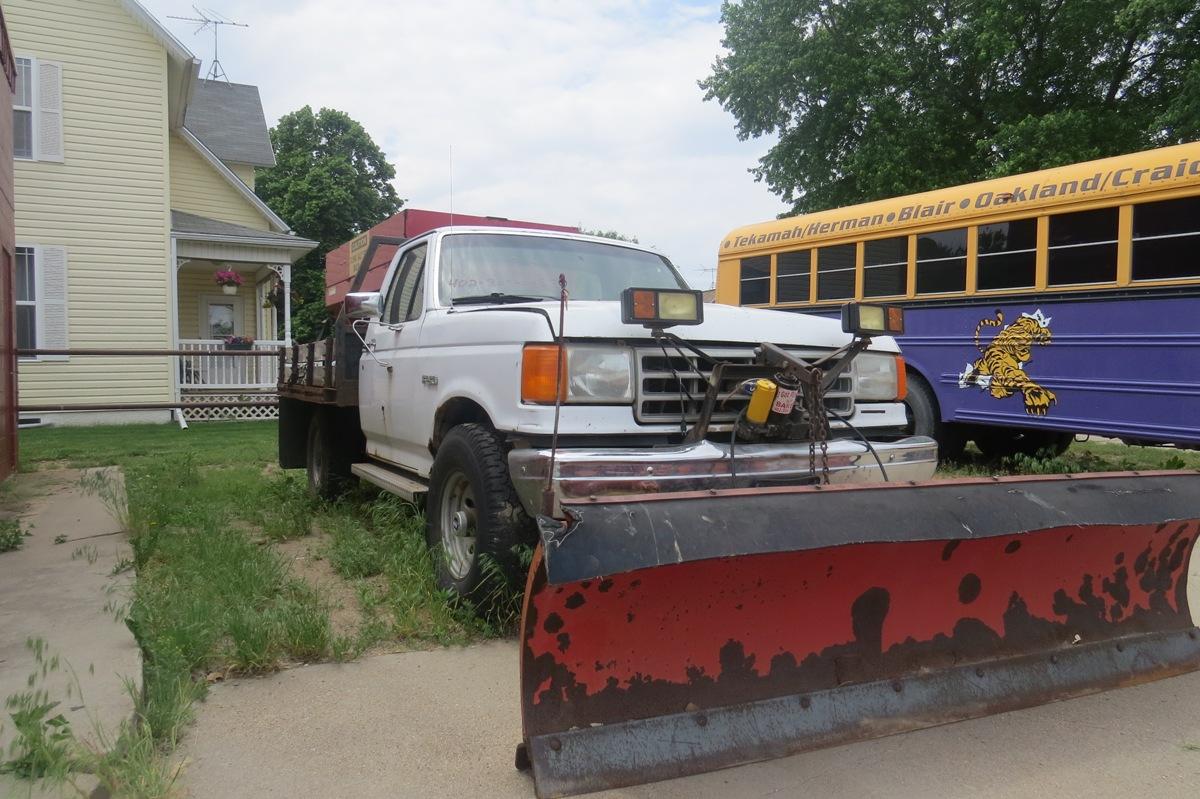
<point>565,112</point>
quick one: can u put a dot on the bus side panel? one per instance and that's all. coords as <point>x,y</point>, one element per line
<point>1127,367</point>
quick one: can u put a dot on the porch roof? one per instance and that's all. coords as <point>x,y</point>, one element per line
<point>201,228</point>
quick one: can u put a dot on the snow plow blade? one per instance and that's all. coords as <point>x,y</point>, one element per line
<point>671,634</point>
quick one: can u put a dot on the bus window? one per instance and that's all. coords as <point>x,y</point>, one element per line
<point>942,261</point>
<point>835,272</point>
<point>756,280</point>
<point>1166,236</point>
<point>1083,247</point>
<point>1007,255</point>
<point>885,267</point>
<point>791,276</point>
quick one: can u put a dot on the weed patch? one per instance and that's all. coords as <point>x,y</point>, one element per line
<point>45,746</point>
<point>1081,458</point>
<point>12,536</point>
<point>380,536</point>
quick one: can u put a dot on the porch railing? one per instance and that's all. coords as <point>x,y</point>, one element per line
<point>211,369</point>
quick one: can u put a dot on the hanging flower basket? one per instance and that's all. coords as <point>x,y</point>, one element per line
<point>228,280</point>
<point>239,343</point>
<point>274,296</point>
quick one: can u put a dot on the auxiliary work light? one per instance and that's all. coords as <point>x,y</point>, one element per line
<point>662,307</point>
<point>872,320</point>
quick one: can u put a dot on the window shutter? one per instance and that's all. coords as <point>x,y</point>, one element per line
<point>51,265</point>
<point>49,111</point>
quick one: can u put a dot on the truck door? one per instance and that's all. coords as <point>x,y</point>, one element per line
<point>386,393</point>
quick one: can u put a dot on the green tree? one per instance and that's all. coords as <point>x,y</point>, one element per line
<point>877,98</point>
<point>609,234</point>
<point>330,183</point>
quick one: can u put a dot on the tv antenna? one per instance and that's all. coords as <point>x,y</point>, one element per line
<point>205,19</point>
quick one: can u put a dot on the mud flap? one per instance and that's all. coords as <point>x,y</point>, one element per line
<point>672,634</point>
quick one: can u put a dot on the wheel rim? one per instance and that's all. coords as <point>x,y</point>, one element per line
<point>458,519</point>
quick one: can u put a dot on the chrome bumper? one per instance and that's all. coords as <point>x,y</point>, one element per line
<point>583,473</point>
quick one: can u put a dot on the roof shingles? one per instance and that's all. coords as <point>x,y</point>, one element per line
<point>228,118</point>
<point>183,224</point>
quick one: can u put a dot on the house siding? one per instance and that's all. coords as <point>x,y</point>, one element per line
<point>106,203</point>
<point>197,188</point>
<point>245,172</point>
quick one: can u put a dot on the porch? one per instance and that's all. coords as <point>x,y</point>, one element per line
<point>232,290</point>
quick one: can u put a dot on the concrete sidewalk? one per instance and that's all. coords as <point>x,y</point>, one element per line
<point>445,724</point>
<point>64,593</point>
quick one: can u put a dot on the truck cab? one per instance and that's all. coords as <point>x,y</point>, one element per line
<point>499,373</point>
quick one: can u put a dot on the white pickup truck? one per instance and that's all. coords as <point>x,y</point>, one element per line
<point>467,384</point>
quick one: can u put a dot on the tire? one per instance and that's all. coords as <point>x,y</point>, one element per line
<point>1001,442</point>
<point>925,419</point>
<point>328,467</point>
<point>473,515</point>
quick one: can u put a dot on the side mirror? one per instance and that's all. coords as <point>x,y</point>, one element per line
<point>363,305</point>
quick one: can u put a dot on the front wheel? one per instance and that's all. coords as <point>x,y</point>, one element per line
<point>925,419</point>
<point>474,520</point>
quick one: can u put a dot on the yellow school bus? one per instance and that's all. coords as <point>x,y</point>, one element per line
<point>1038,306</point>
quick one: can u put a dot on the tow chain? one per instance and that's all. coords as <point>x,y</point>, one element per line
<point>818,422</point>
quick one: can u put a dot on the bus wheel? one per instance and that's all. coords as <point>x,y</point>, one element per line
<point>924,419</point>
<point>1000,442</point>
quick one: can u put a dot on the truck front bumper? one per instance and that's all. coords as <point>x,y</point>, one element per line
<point>582,473</point>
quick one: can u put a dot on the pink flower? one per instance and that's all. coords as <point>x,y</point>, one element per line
<point>227,277</point>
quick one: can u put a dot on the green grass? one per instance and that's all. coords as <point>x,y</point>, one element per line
<point>203,507</point>
<point>210,444</point>
<point>379,536</point>
<point>11,535</point>
<point>1088,456</point>
<point>209,595</point>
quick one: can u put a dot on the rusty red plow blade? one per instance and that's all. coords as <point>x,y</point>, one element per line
<point>671,634</point>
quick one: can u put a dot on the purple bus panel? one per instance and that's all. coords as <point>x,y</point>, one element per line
<point>1116,366</point>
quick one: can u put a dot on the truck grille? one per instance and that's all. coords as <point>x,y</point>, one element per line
<point>659,398</point>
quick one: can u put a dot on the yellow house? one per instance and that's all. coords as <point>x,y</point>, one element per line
<point>134,183</point>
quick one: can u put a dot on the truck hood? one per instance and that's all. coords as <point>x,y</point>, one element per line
<point>722,324</point>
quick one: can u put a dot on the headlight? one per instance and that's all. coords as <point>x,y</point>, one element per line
<point>597,373</point>
<point>593,374</point>
<point>878,376</point>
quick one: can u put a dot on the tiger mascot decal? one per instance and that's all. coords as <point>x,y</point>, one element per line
<point>1000,369</point>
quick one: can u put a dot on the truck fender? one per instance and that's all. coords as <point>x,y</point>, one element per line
<point>453,412</point>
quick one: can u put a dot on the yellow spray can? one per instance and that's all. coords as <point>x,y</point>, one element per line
<point>760,401</point>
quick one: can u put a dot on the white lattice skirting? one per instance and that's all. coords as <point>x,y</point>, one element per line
<point>228,414</point>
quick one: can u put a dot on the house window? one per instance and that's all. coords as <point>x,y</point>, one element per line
<point>26,280</point>
<point>23,110</point>
<point>222,319</point>
<point>38,111</point>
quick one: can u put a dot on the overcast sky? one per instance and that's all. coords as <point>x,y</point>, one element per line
<point>574,112</point>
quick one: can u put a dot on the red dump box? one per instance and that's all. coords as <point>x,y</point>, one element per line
<point>341,264</point>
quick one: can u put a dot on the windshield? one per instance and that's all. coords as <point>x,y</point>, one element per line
<point>479,264</point>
